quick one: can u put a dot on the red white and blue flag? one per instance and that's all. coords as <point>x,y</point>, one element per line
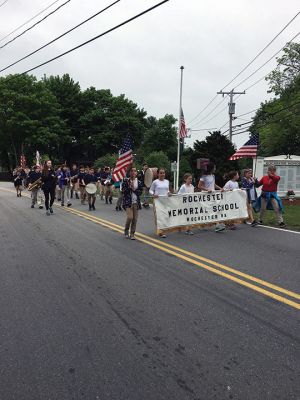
<point>249,150</point>
<point>124,161</point>
<point>182,126</point>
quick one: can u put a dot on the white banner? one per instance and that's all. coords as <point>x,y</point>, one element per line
<point>200,208</point>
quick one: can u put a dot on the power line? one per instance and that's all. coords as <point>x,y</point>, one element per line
<point>251,62</point>
<point>60,36</point>
<point>2,4</point>
<point>204,118</point>
<point>25,23</point>
<point>97,37</point>
<point>37,23</point>
<point>265,63</point>
<point>203,109</point>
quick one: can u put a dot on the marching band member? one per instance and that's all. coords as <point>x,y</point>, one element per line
<point>58,189</point>
<point>64,179</point>
<point>81,183</point>
<point>145,194</point>
<point>269,197</point>
<point>248,184</point>
<point>74,181</point>
<point>118,188</point>
<point>187,187</point>
<point>160,187</point>
<point>18,177</point>
<point>132,189</point>
<point>90,178</point>
<point>108,185</point>
<point>49,180</point>
<point>207,183</point>
<point>33,176</point>
<point>102,180</point>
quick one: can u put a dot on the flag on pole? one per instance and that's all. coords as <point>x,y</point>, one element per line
<point>249,150</point>
<point>124,160</point>
<point>182,127</point>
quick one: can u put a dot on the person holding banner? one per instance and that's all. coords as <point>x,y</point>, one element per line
<point>248,184</point>
<point>132,190</point>
<point>232,184</point>
<point>187,187</point>
<point>160,187</point>
<point>207,183</point>
<point>269,197</point>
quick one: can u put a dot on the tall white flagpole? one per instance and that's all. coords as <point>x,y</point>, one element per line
<point>179,124</point>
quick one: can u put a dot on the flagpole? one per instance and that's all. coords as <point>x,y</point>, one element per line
<point>178,134</point>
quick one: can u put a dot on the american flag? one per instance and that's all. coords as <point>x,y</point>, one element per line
<point>182,127</point>
<point>124,160</point>
<point>249,150</point>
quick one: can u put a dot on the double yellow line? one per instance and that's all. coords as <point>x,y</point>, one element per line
<point>249,281</point>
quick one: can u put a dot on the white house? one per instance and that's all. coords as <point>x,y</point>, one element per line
<point>288,168</point>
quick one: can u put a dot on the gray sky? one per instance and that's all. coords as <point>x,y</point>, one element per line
<point>214,40</point>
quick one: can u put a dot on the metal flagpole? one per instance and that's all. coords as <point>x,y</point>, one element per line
<point>179,125</point>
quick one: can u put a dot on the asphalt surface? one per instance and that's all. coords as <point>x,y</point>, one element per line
<point>87,314</point>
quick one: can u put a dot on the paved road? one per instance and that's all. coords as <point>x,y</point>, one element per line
<point>87,314</point>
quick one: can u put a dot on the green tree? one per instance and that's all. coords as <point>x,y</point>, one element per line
<point>29,119</point>
<point>109,160</point>
<point>278,120</point>
<point>161,135</point>
<point>158,159</point>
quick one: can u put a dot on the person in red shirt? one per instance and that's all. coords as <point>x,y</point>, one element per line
<point>269,198</point>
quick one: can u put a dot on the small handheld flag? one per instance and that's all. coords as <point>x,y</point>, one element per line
<point>248,150</point>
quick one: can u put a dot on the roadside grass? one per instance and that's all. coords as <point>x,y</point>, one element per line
<point>291,216</point>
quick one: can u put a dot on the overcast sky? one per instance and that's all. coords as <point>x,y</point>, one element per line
<point>213,40</point>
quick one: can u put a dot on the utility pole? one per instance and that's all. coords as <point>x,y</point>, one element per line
<point>231,108</point>
<point>178,133</point>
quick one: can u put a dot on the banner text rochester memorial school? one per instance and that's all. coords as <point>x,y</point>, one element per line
<point>200,208</point>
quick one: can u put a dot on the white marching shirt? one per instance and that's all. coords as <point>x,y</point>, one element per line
<point>159,188</point>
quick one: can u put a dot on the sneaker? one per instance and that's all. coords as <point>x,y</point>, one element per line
<point>189,233</point>
<point>41,207</point>
<point>62,204</point>
<point>32,205</point>
<point>259,222</point>
<point>120,208</point>
<point>219,228</point>
<point>162,235</point>
<point>48,212</point>
<point>90,208</point>
<point>93,207</point>
<point>126,235</point>
<point>117,208</point>
<point>51,210</point>
<point>132,237</point>
<point>69,204</point>
<point>110,201</point>
<point>77,197</point>
<point>282,225</point>
<point>254,223</point>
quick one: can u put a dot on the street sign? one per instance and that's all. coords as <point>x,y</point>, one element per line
<point>173,166</point>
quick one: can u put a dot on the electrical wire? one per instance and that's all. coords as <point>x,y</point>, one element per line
<point>251,62</point>
<point>97,37</point>
<point>203,109</point>
<point>197,123</point>
<point>62,35</point>
<point>4,2</point>
<point>37,23</point>
<point>32,18</point>
<point>265,63</point>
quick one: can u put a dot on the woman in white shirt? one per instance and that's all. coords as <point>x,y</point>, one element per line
<point>160,187</point>
<point>232,184</point>
<point>187,187</point>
